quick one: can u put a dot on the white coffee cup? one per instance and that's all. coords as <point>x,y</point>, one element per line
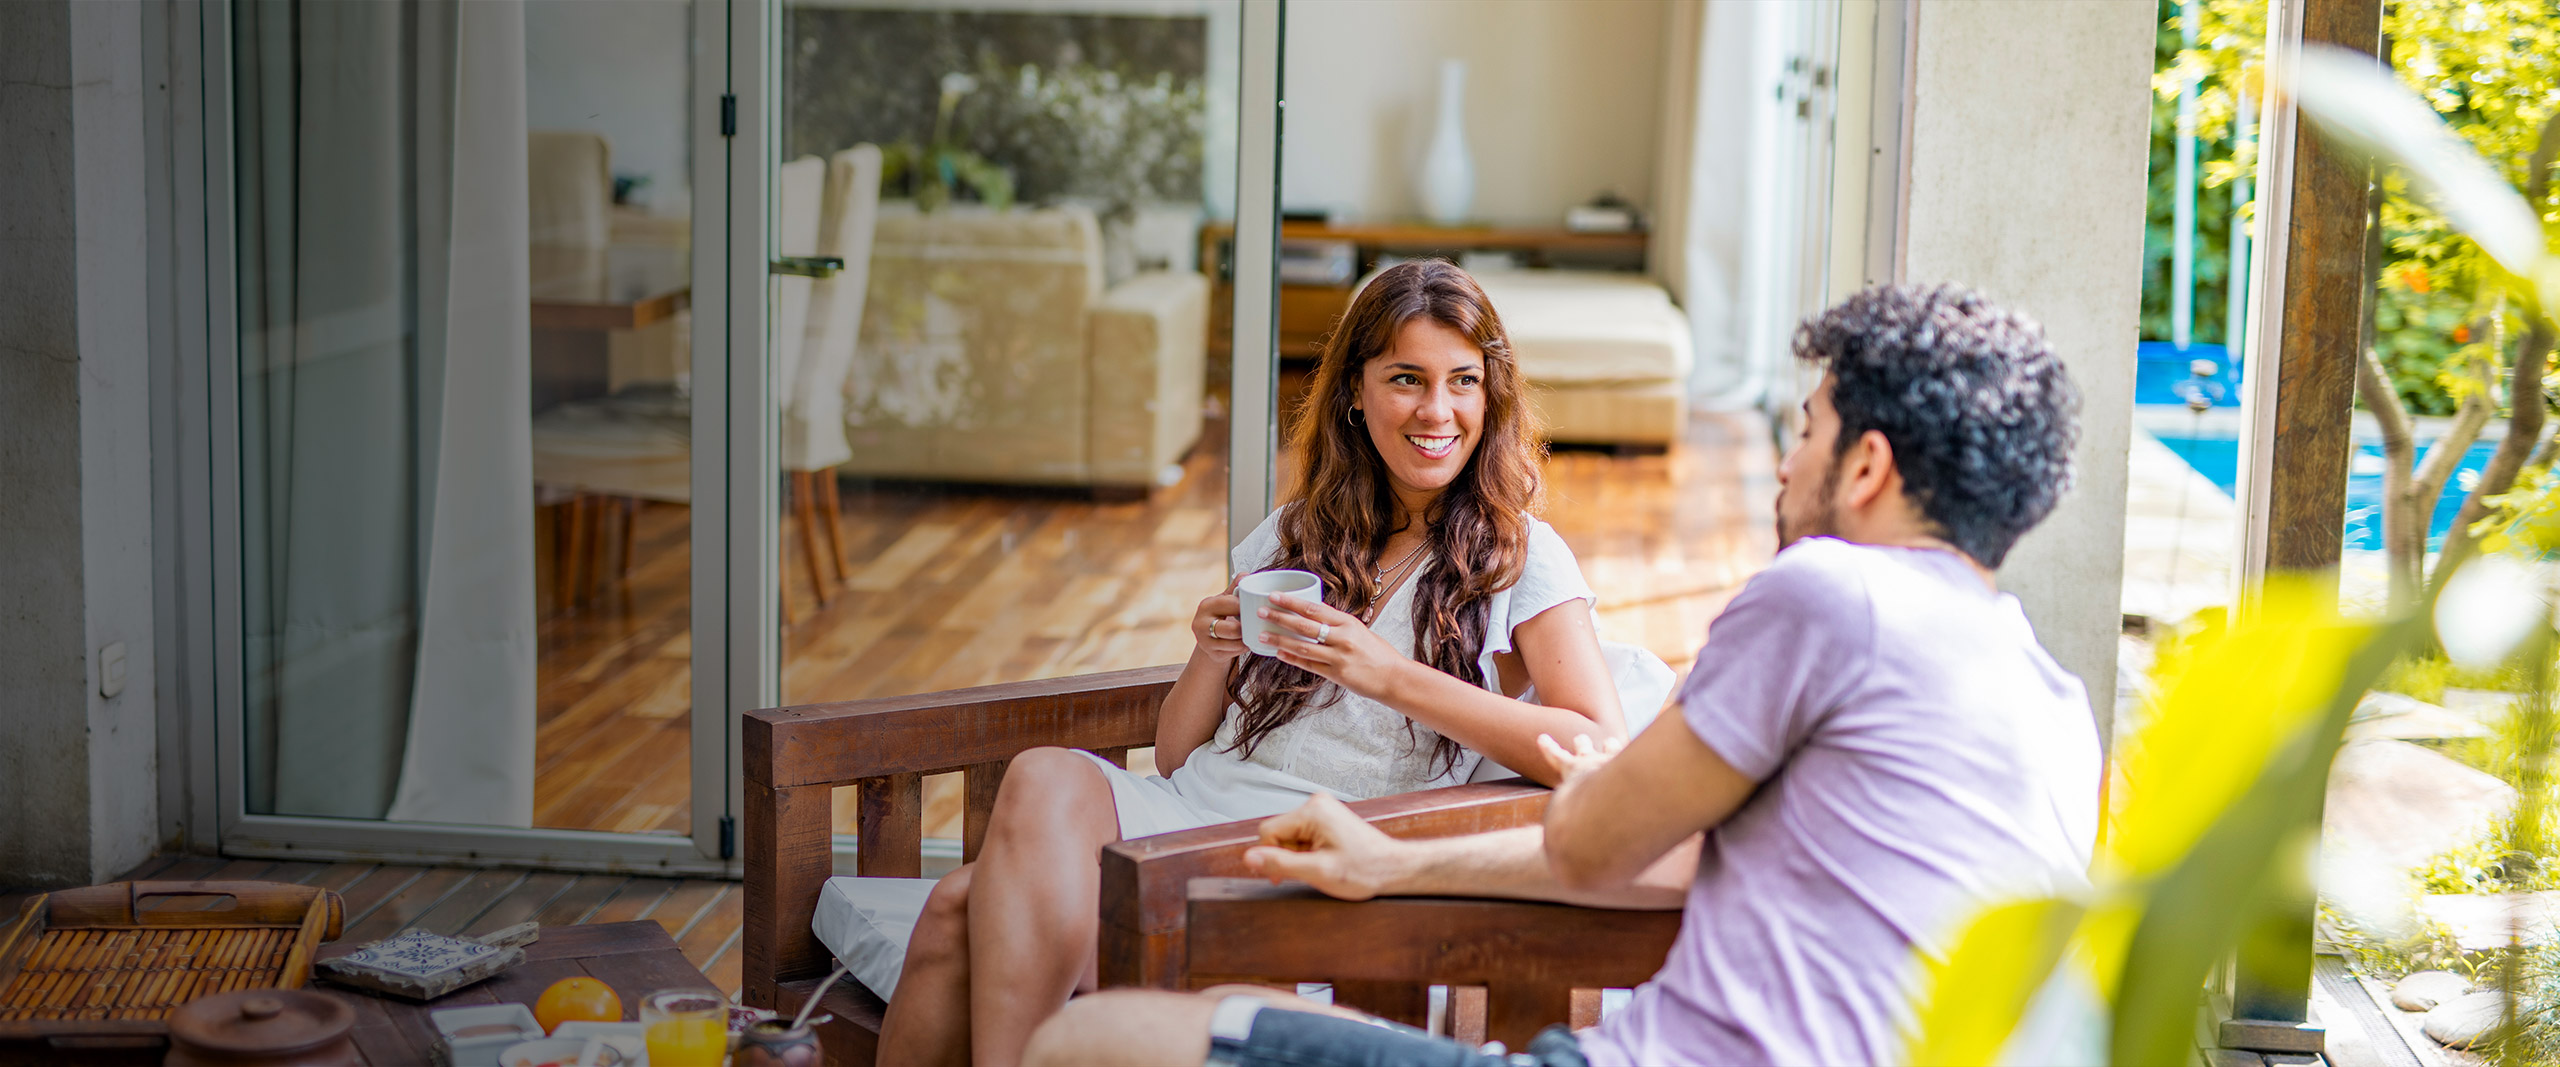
<point>1253,592</point>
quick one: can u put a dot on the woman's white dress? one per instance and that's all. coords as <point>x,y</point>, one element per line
<point>1345,744</point>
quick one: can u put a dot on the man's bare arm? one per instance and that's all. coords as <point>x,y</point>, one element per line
<point>1324,845</point>
<point>1615,818</point>
<point>1513,863</point>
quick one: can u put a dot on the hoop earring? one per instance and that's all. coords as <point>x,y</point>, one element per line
<point>1351,416</point>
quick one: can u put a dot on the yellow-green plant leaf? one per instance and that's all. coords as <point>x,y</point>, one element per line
<point>1978,992</point>
<point>2226,704</point>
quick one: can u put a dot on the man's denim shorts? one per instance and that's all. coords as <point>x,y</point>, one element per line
<point>1243,1034</point>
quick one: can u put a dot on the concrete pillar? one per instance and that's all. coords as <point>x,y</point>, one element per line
<point>2029,146</point>
<point>78,785</point>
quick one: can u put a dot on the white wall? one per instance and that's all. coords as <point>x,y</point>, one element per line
<point>78,778</point>
<point>2029,145</point>
<point>1563,101</point>
<point>620,68</point>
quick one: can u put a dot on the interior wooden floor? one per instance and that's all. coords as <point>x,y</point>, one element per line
<point>959,586</point>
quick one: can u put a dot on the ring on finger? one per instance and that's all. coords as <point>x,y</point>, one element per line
<point>1323,630</point>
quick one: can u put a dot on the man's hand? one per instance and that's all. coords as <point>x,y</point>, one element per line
<point>1582,760</point>
<point>1326,846</point>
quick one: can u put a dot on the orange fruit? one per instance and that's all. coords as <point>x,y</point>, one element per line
<point>576,998</point>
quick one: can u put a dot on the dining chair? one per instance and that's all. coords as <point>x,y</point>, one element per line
<point>811,375</point>
<point>569,189</point>
<point>638,445</point>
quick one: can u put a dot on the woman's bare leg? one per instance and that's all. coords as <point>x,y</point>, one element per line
<point>928,1021</point>
<point>1032,901</point>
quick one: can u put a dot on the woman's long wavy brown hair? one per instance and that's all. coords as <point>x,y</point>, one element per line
<point>1476,532</point>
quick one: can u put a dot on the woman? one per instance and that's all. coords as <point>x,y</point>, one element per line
<point>1443,601</point>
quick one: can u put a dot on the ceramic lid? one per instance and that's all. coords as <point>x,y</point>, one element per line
<point>262,1021</point>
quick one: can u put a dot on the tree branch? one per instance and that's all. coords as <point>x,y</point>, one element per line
<point>2404,529</point>
<point>2445,455</point>
<point>2524,428</point>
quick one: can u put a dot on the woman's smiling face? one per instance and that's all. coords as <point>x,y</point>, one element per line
<point>1423,402</point>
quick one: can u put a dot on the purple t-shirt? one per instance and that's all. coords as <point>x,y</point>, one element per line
<point>1918,754</point>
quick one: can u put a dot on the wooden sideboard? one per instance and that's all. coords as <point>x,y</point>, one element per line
<point>1307,312</point>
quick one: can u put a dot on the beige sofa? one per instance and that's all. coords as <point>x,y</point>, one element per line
<point>992,352</point>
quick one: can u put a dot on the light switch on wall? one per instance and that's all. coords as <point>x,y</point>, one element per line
<point>111,670</point>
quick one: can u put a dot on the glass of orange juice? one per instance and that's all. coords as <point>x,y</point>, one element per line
<point>685,1027</point>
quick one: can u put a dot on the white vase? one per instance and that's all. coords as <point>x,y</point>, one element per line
<point>1447,184</point>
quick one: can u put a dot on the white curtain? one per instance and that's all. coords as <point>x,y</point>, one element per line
<point>1727,233</point>
<point>387,466</point>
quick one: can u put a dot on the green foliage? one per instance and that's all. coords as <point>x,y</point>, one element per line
<point>2525,519</point>
<point>2491,68</point>
<point>2425,342</point>
<point>2426,946</point>
<point>2486,864</point>
<point>938,174</point>
<point>2213,209</point>
<point>2418,677</point>
<point>1050,104</point>
<point>2427,677</point>
<point>1083,131</point>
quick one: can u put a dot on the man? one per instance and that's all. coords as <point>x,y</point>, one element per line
<point>1871,747</point>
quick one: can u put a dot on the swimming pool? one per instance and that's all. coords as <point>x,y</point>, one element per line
<point>2218,459</point>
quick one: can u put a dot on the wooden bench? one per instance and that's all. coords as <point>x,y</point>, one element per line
<point>1159,928</point>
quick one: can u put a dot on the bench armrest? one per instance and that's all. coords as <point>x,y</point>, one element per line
<point>930,733</point>
<point>1529,956</point>
<point>795,758</point>
<point>1145,882</point>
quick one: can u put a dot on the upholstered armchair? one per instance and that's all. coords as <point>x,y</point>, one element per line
<point>993,352</point>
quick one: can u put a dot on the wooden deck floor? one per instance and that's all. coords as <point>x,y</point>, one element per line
<point>954,587</point>
<point>703,915</point>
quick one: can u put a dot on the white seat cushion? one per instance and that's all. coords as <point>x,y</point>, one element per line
<point>866,922</point>
<point>616,446</point>
<point>1590,327</point>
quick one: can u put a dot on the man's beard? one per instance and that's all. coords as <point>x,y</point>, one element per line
<point>1825,520</point>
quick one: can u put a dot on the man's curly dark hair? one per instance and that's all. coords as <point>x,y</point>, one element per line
<point>1979,411</point>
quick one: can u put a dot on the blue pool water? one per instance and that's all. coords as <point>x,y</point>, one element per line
<point>2165,375</point>
<point>2218,459</point>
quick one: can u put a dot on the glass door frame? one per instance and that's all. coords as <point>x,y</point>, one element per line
<point>1253,444</point>
<point>727,671</point>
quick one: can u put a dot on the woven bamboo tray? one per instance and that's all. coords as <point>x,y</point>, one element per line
<point>113,959</point>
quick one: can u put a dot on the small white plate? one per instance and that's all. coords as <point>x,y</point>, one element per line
<point>630,1039</point>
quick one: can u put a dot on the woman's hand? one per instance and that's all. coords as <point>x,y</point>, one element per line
<point>1216,628</point>
<point>1333,644</point>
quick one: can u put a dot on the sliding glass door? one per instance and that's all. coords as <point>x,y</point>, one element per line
<point>460,404</point>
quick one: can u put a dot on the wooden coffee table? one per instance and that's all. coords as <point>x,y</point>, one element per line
<point>635,958</point>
